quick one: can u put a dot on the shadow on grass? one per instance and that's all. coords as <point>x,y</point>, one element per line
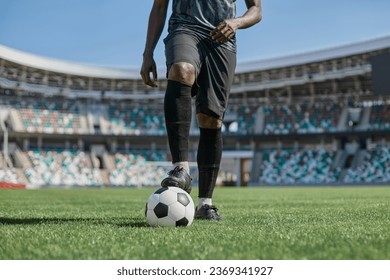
<point>53,220</point>
<point>134,223</point>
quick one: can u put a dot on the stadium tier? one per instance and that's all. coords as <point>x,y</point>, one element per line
<point>135,170</point>
<point>374,167</point>
<point>380,117</point>
<point>303,166</point>
<point>135,119</point>
<point>302,118</point>
<point>68,168</point>
<point>311,118</point>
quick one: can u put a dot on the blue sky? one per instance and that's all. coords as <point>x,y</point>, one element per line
<point>112,33</point>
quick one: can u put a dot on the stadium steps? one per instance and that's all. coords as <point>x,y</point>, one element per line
<point>342,175</point>
<point>8,161</point>
<point>105,174</point>
<point>96,115</point>
<point>84,124</point>
<point>21,176</point>
<point>93,160</point>
<point>358,158</point>
<point>342,124</point>
<point>340,162</point>
<point>89,161</point>
<point>365,120</point>
<point>347,162</point>
<point>260,120</point>
<point>255,172</point>
<point>340,159</point>
<point>5,161</point>
<point>16,157</point>
<point>16,120</point>
<point>108,162</point>
<point>104,125</point>
<point>21,159</point>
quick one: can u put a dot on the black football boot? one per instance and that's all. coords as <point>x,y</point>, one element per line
<point>178,177</point>
<point>207,212</point>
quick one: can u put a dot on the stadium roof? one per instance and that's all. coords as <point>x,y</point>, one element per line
<point>314,56</point>
<point>65,67</point>
<point>72,68</point>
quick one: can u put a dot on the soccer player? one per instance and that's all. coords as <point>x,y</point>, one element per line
<point>200,54</point>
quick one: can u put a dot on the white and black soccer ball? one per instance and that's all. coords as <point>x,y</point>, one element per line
<point>170,207</point>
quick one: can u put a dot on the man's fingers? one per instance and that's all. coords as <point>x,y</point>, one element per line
<point>152,82</point>
<point>218,29</point>
<point>218,35</point>
<point>229,33</point>
<point>222,37</point>
<point>154,75</point>
<point>147,81</point>
<point>222,33</point>
<point>146,73</point>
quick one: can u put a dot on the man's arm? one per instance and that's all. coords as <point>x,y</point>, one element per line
<point>226,29</point>
<point>156,24</point>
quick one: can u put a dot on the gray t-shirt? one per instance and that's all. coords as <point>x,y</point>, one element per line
<point>202,16</point>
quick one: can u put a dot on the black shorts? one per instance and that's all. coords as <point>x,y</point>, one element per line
<point>214,66</point>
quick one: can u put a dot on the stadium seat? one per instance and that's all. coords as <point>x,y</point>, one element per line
<point>374,168</point>
<point>302,118</point>
<point>61,168</point>
<point>135,169</point>
<point>298,167</point>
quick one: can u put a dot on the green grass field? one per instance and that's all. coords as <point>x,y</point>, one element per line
<point>259,223</point>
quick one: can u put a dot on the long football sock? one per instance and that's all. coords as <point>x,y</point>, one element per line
<point>209,160</point>
<point>177,111</point>
<point>204,201</point>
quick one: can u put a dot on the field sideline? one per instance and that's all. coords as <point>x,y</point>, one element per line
<point>259,223</point>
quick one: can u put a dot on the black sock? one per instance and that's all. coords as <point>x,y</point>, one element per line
<point>177,111</point>
<point>209,160</point>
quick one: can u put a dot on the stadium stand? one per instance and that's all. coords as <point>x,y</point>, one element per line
<point>9,175</point>
<point>244,117</point>
<point>135,119</point>
<point>303,166</point>
<point>302,118</point>
<point>62,168</point>
<point>45,116</point>
<point>309,118</point>
<point>380,117</point>
<point>375,167</point>
<point>49,121</point>
<point>136,171</point>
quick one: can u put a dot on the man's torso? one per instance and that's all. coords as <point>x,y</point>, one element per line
<point>202,16</point>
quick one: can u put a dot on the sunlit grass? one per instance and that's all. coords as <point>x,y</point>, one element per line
<point>259,223</point>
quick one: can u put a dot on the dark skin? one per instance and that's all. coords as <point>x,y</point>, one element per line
<point>221,34</point>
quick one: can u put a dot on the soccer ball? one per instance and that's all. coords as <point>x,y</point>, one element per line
<point>170,207</point>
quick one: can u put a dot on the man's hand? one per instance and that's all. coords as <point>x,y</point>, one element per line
<point>227,28</point>
<point>224,31</point>
<point>149,66</point>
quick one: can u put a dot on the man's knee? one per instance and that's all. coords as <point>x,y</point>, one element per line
<point>182,72</point>
<point>206,121</point>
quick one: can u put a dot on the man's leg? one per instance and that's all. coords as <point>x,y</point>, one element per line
<point>178,113</point>
<point>214,80</point>
<point>209,160</point>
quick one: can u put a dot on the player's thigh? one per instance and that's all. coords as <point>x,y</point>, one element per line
<point>214,83</point>
<point>182,55</point>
